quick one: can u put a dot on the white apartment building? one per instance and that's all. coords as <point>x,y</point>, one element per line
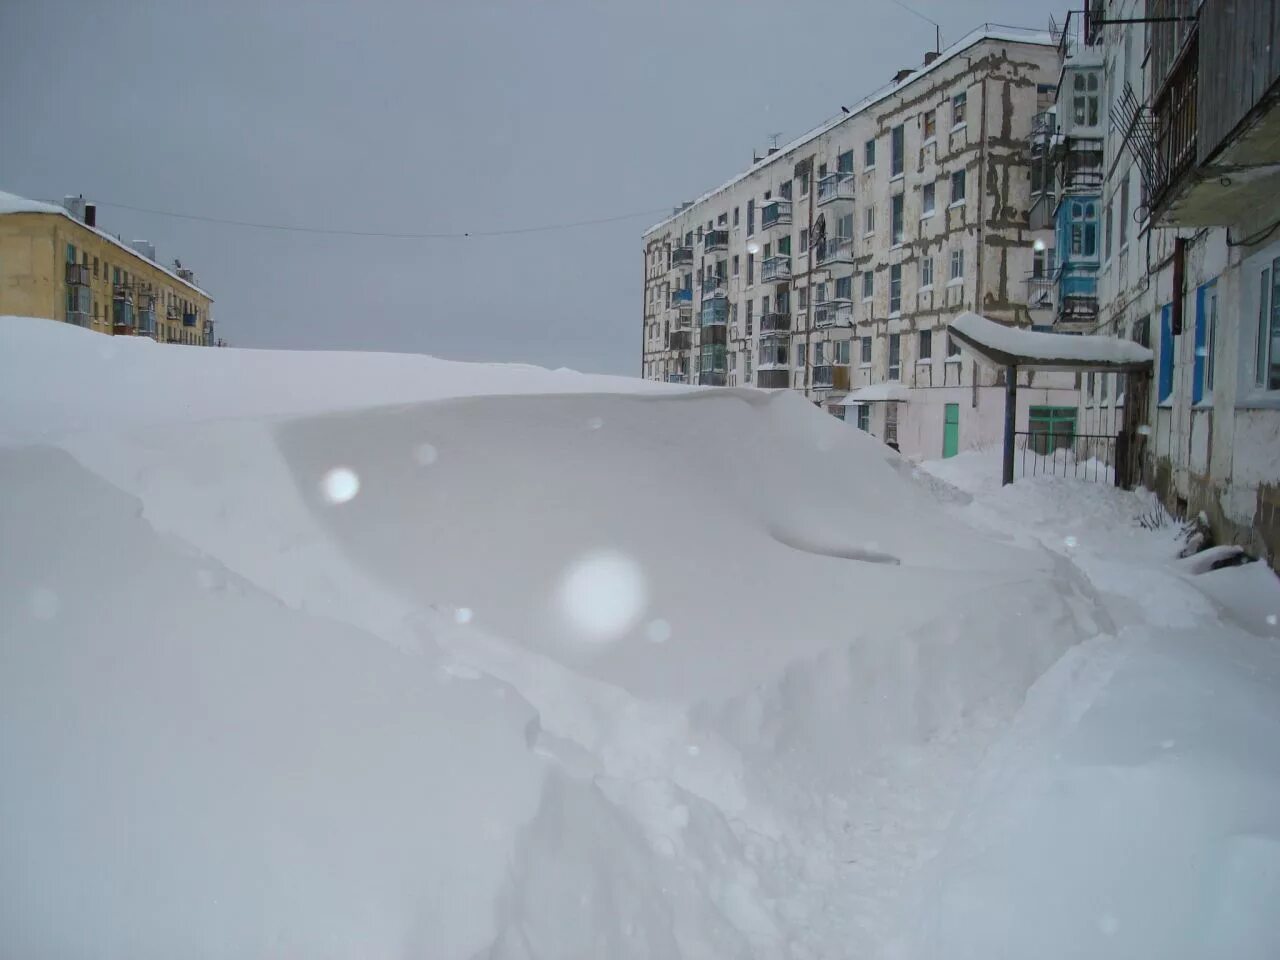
<point>833,265</point>
<point>1189,250</point>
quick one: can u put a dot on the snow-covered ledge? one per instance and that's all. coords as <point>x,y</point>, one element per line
<point>1014,347</point>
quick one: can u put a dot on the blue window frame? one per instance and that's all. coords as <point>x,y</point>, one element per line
<point>1206,321</point>
<point>1166,353</point>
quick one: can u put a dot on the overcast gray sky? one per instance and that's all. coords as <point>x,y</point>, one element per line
<point>423,116</point>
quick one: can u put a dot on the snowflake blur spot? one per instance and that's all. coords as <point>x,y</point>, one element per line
<point>426,454</point>
<point>658,631</point>
<point>1271,619</point>
<point>340,485</point>
<point>603,594</point>
<point>462,615</point>
<point>1144,430</point>
<point>1108,924</point>
<point>693,750</point>
<point>595,423</point>
<point>43,604</point>
<point>1070,542</point>
<point>753,247</point>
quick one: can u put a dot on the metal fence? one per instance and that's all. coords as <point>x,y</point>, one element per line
<point>1081,456</point>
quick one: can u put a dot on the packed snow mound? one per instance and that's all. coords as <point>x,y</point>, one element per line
<point>374,655</point>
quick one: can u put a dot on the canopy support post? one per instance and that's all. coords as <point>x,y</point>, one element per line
<point>1010,419</point>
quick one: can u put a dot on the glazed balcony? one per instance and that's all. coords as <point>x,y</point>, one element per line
<point>775,322</point>
<point>77,274</point>
<point>715,312</point>
<point>715,240</point>
<point>714,285</point>
<point>831,376</point>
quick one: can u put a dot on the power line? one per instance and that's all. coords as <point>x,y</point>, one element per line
<point>388,235</point>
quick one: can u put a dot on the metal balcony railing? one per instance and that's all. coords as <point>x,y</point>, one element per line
<point>775,269</point>
<point>832,376</point>
<point>714,284</point>
<point>1175,119</point>
<point>773,379</point>
<point>835,186</point>
<point>833,313</point>
<point>712,378</point>
<point>775,213</point>
<point>77,274</point>
<point>775,323</point>
<point>681,256</point>
<point>836,250</point>
<point>715,240</point>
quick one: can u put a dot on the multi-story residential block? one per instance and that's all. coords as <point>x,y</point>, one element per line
<point>1190,250</point>
<point>55,262</point>
<point>833,265</point>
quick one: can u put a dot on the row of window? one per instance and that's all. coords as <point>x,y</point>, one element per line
<point>120,276</point>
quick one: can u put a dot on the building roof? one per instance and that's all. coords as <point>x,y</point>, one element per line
<point>12,203</point>
<point>1012,346</point>
<point>988,31</point>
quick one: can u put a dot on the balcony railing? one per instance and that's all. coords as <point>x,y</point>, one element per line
<point>680,340</point>
<point>715,240</point>
<point>833,313</point>
<point>712,378</point>
<point>1080,30</point>
<point>146,323</point>
<point>682,318</point>
<point>188,319</point>
<point>121,292</point>
<point>77,274</point>
<point>773,379</point>
<point>836,250</point>
<point>1176,128</point>
<point>681,256</point>
<point>1077,293</point>
<point>714,285</point>
<point>1040,292</point>
<point>835,186</point>
<point>681,296</point>
<point>775,323</point>
<point>122,314</point>
<point>715,312</point>
<point>831,376</point>
<point>775,213</point>
<point>775,269</point>
<point>79,317</point>
<point>676,378</point>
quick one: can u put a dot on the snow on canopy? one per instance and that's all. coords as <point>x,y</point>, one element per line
<point>876,393</point>
<point>1006,345</point>
<point>559,673</point>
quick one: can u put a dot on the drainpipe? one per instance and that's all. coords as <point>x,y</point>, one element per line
<point>1010,419</point>
<point>808,300</point>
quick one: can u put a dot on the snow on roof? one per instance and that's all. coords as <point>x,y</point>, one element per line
<point>1007,345</point>
<point>877,393</point>
<point>988,31</point>
<point>12,203</point>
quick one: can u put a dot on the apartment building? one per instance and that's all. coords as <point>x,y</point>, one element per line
<point>1188,246</point>
<point>833,265</point>
<point>55,262</point>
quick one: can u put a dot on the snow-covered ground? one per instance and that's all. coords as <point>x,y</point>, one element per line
<point>353,655</point>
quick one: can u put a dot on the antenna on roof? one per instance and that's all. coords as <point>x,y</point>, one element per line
<point>773,140</point>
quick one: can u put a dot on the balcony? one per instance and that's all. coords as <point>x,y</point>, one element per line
<point>715,312</point>
<point>680,340</point>
<point>835,250</point>
<point>77,275</point>
<point>715,285</point>
<point>677,378</point>
<point>122,318</point>
<point>835,186</point>
<point>774,353</point>
<point>79,318</point>
<point>775,213</point>
<point>1079,168</point>
<point>712,378</point>
<point>831,376</point>
<point>775,323</point>
<point>775,270</point>
<point>682,318</point>
<point>774,379</point>
<point>682,297</point>
<point>1216,121</point>
<point>189,319</point>
<point>1077,294</point>
<point>715,240</point>
<point>1040,292</point>
<point>833,313</point>
<point>1043,126</point>
<point>681,256</point>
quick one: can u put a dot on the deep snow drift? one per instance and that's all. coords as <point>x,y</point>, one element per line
<point>351,655</point>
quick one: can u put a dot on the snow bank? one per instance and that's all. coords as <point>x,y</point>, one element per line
<point>360,655</point>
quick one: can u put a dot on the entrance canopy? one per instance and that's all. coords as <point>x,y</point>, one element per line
<point>877,393</point>
<point>1013,347</point>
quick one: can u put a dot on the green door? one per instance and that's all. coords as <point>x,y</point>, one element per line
<point>951,430</point>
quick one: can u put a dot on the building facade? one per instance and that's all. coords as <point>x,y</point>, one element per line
<point>833,265</point>
<point>56,263</point>
<point>1189,249</point>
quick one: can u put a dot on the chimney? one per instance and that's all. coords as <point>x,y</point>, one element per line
<point>145,249</point>
<point>772,151</point>
<point>90,214</point>
<point>74,206</point>
<point>902,74</point>
<point>930,57</point>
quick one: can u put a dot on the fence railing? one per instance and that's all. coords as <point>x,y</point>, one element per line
<point>1080,456</point>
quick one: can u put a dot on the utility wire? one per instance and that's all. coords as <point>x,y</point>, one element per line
<point>389,235</point>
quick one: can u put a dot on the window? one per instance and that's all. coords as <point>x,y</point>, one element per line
<point>844,162</point>
<point>786,190</point>
<point>1206,337</point>
<point>799,354</point>
<point>1123,228</point>
<point>722,219</point>
<point>895,288</point>
<point>751,268</point>
<point>804,183</point>
<point>926,345</point>
<point>802,298</point>
<point>953,348</point>
<point>926,273</point>
<point>804,239</point>
<point>71,253</point>
<point>746,366</point>
<point>868,285</point>
<point>1040,263</point>
<point>957,187</point>
<point>764,306</point>
<point>1106,232</point>
<point>957,265</point>
<point>929,128</point>
<point>820,293</point>
<point>751,217</point>
<point>1267,348</point>
<point>895,356</point>
<point>869,155</point>
<point>958,103</point>
<point>819,349</point>
<point>895,218</point>
<point>841,352</point>
<point>1084,98</point>
<point>95,266</point>
<point>1084,228</point>
<point>1165,392</point>
<point>927,200</point>
<point>822,170</point>
<point>864,418</point>
<point>750,307</point>
<point>735,264</point>
<point>735,215</point>
<point>844,227</point>
<point>869,220</point>
<point>865,357</point>
<point>768,250</point>
<point>891,424</point>
<point>784,247</point>
<point>844,288</point>
<point>897,150</point>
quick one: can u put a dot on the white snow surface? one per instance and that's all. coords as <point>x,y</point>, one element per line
<point>1046,348</point>
<point>568,669</point>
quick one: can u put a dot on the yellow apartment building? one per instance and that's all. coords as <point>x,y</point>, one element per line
<point>56,263</point>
